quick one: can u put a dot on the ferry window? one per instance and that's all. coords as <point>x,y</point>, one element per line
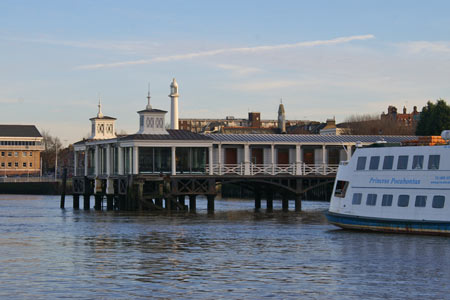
<point>388,162</point>
<point>371,199</point>
<point>421,201</point>
<point>386,200</point>
<point>433,162</point>
<point>341,188</point>
<point>417,162</point>
<point>403,201</point>
<point>438,202</point>
<point>374,162</point>
<point>402,163</point>
<point>357,198</point>
<point>361,164</point>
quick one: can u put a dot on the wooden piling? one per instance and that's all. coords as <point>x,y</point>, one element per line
<point>210,202</point>
<point>192,202</point>
<point>63,189</point>
<point>76,201</point>
<point>257,200</point>
<point>181,202</point>
<point>109,202</point>
<point>168,204</point>
<point>298,202</point>
<point>285,202</point>
<point>86,201</point>
<point>269,201</point>
<point>159,202</point>
<point>98,202</point>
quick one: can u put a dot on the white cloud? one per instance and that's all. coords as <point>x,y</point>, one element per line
<point>242,50</point>
<point>239,70</point>
<point>426,46</point>
<point>122,46</point>
<point>11,101</point>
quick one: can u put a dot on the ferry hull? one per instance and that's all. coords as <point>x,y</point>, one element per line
<point>389,225</point>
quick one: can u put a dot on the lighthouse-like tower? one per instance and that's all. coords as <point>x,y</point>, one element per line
<point>174,104</point>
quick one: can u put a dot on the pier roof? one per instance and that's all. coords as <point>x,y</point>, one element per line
<point>173,135</point>
<point>308,138</point>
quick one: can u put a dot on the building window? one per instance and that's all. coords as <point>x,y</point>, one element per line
<point>9,153</point>
<point>438,202</point>
<point>374,162</point>
<point>16,154</point>
<point>388,162</point>
<point>356,198</point>
<point>24,164</point>
<point>3,153</point>
<point>402,163</point>
<point>417,162</point>
<point>421,201</point>
<point>403,201</point>
<point>361,164</point>
<point>371,199</point>
<point>9,165</point>
<point>16,164</point>
<point>386,200</point>
<point>433,162</point>
<point>31,164</point>
<point>24,154</point>
<point>31,153</point>
<point>3,164</point>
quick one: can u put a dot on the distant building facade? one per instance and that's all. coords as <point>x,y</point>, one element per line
<point>405,119</point>
<point>20,150</point>
<point>254,124</point>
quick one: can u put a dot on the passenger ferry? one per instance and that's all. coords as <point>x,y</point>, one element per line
<point>394,189</point>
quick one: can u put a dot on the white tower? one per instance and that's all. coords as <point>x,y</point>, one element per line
<point>151,120</point>
<point>102,126</point>
<point>174,104</point>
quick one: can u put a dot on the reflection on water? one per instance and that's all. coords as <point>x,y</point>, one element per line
<point>234,253</point>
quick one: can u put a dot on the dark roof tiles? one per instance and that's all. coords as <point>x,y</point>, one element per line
<point>19,131</point>
<point>173,135</point>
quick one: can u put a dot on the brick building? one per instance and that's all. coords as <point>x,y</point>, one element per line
<point>405,119</point>
<point>20,150</point>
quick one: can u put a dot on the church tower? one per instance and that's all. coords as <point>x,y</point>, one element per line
<point>281,118</point>
<point>174,104</point>
<point>102,126</point>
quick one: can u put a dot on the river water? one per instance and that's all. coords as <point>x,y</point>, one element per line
<point>235,253</point>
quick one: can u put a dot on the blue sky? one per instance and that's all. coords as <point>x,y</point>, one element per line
<point>324,58</point>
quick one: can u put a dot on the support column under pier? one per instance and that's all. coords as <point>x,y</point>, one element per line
<point>257,200</point>
<point>76,201</point>
<point>298,202</point>
<point>269,201</point>
<point>210,202</point>
<point>285,202</point>
<point>181,202</point>
<point>109,202</point>
<point>86,202</point>
<point>192,202</point>
<point>98,202</point>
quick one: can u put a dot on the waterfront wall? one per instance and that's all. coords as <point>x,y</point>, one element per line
<point>33,188</point>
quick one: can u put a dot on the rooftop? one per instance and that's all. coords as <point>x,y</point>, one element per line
<point>19,131</point>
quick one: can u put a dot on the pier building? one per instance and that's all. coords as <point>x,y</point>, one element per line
<point>138,171</point>
<point>20,150</point>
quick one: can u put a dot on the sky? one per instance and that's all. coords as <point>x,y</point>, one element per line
<point>324,59</point>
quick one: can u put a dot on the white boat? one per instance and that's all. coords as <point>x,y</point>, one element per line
<point>394,189</point>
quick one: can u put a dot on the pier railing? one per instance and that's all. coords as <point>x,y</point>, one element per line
<point>273,169</point>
